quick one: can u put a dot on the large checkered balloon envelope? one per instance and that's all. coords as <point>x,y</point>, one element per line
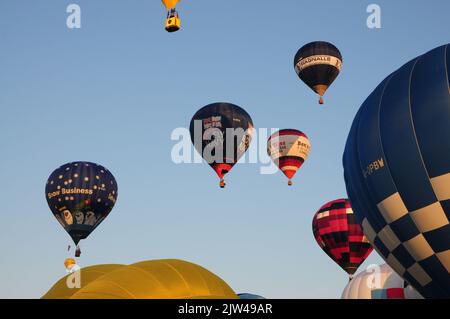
<point>80,196</point>
<point>397,171</point>
<point>340,236</point>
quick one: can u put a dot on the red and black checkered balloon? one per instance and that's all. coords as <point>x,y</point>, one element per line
<point>340,236</point>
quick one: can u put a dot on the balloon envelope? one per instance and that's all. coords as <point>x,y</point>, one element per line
<point>153,279</point>
<point>340,236</point>
<point>397,171</point>
<point>170,4</point>
<point>379,282</point>
<point>288,149</point>
<point>221,133</point>
<point>69,262</point>
<point>80,196</point>
<point>318,64</point>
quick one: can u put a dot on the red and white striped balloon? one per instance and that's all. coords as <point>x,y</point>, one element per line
<point>288,149</point>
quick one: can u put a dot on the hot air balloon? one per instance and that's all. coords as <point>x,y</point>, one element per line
<point>173,22</point>
<point>71,265</point>
<point>288,149</point>
<point>340,236</point>
<point>221,133</point>
<point>152,279</point>
<point>379,282</point>
<point>318,64</point>
<point>80,196</point>
<point>69,262</point>
<point>397,171</point>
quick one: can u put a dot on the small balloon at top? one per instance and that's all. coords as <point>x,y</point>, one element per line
<point>318,64</point>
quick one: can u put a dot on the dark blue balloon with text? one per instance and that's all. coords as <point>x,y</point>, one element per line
<point>80,196</point>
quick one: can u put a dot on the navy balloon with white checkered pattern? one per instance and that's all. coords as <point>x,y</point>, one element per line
<point>397,171</point>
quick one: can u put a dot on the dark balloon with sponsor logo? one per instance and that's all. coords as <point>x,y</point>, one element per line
<point>221,133</point>
<point>80,196</point>
<point>318,64</point>
<point>397,171</point>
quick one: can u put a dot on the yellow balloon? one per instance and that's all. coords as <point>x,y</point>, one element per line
<point>154,279</point>
<point>170,4</point>
<point>69,262</point>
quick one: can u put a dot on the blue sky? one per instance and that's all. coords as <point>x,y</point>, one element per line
<point>113,91</point>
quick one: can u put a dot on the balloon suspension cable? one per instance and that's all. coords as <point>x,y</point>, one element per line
<point>290,183</point>
<point>78,251</point>
<point>222,183</point>
<point>321,100</point>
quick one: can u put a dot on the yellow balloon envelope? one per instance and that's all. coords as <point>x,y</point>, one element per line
<point>155,279</point>
<point>170,4</point>
<point>69,262</point>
